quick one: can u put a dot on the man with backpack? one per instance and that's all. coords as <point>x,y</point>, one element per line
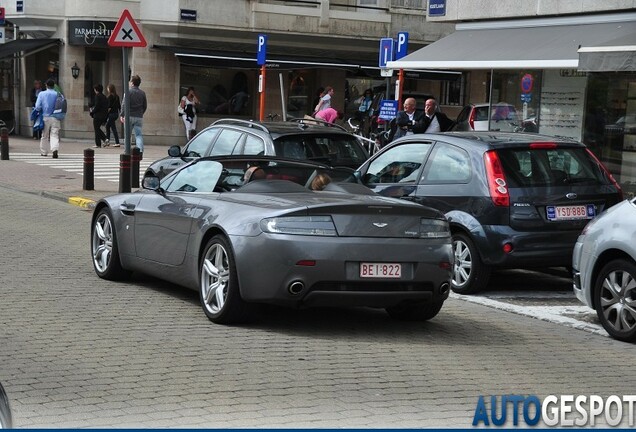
<point>46,104</point>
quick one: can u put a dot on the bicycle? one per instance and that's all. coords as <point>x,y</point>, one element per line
<point>371,144</point>
<point>7,120</point>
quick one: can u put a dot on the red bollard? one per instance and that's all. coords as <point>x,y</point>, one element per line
<point>134,172</point>
<point>89,170</point>
<point>4,144</point>
<point>124,173</point>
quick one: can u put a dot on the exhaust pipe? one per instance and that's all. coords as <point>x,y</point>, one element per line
<point>296,287</point>
<point>444,288</point>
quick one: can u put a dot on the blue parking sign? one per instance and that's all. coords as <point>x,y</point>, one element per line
<point>386,52</point>
<point>402,45</point>
<point>261,50</point>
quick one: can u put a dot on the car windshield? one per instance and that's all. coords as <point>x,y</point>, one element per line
<point>550,167</point>
<point>335,150</point>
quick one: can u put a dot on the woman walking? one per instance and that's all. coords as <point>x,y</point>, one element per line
<point>188,105</point>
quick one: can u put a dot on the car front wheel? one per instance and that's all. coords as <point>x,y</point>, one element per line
<point>615,299</point>
<point>104,248</point>
<point>470,274</point>
<point>219,289</point>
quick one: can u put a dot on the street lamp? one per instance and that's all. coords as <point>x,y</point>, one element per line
<point>75,70</point>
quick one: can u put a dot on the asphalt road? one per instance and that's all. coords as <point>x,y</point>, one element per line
<point>78,351</point>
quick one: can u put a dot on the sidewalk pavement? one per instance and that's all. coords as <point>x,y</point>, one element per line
<point>59,184</point>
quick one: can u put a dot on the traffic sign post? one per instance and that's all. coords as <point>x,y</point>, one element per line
<point>261,59</point>
<point>385,56</point>
<point>126,35</point>
<point>401,51</point>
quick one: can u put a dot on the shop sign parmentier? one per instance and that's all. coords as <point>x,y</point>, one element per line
<point>90,33</point>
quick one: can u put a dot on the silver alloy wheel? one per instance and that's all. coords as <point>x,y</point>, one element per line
<point>102,242</point>
<point>618,300</point>
<point>215,276</point>
<point>463,263</point>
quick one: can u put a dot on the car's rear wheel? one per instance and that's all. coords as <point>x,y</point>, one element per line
<point>6,421</point>
<point>219,288</point>
<point>470,274</point>
<point>615,299</point>
<point>105,251</point>
<point>415,312</point>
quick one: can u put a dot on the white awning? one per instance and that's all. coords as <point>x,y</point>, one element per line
<point>617,55</point>
<point>522,46</point>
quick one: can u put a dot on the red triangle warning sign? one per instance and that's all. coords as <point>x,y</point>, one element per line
<point>126,33</point>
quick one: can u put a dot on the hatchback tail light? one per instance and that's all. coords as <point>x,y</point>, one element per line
<point>471,119</point>
<point>496,179</point>
<point>607,173</point>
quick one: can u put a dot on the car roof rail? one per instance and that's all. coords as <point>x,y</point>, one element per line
<point>241,122</point>
<point>303,122</point>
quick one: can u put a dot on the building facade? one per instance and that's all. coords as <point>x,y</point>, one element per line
<point>570,66</point>
<point>210,45</point>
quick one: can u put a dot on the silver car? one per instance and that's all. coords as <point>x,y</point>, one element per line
<point>264,230</point>
<point>604,265</point>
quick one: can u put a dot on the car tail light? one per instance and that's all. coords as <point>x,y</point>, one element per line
<point>471,119</point>
<point>496,179</point>
<point>607,173</point>
<point>543,146</point>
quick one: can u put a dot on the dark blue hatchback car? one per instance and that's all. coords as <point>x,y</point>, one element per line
<point>513,200</point>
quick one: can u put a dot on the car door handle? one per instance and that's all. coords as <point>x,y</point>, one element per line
<point>127,209</point>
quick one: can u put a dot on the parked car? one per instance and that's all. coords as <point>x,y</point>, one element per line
<point>6,421</point>
<point>474,117</point>
<point>304,140</point>
<point>512,200</point>
<point>604,265</point>
<point>273,240</point>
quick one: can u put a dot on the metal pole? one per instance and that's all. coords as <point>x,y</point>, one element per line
<point>398,96</point>
<point>388,97</point>
<point>124,159</point>
<point>127,131</point>
<point>492,78</point>
<point>262,90</point>
<point>282,96</point>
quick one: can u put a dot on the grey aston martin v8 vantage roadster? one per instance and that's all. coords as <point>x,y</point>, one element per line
<point>249,229</point>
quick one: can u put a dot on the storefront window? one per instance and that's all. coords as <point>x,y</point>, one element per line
<point>516,98</point>
<point>221,91</point>
<point>94,73</point>
<point>610,124</point>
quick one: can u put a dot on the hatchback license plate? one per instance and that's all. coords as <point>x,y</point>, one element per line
<point>380,270</point>
<point>556,213</point>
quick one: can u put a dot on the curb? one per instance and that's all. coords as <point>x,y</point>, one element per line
<point>84,203</point>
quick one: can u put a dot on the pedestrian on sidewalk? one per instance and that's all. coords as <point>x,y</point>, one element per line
<point>325,99</point>
<point>189,104</point>
<point>99,112</point>
<point>138,106</point>
<point>114,106</point>
<point>45,103</point>
<point>35,91</point>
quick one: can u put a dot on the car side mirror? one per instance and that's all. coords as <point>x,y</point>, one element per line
<point>150,182</point>
<point>174,151</point>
